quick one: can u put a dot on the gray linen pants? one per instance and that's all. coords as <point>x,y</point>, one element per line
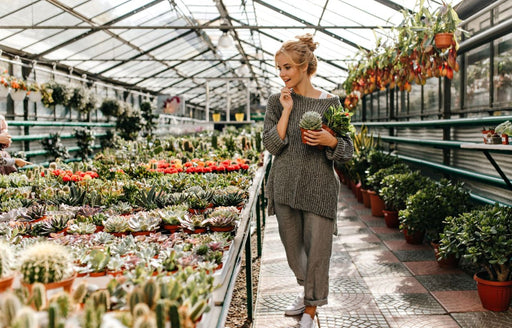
<point>307,240</point>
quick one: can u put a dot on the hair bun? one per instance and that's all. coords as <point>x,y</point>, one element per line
<point>307,39</point>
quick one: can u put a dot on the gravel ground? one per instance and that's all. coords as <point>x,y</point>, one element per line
<point>237,314</point>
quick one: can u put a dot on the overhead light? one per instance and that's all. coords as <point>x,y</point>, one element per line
<point>243,70</point>
<point>225,40</point>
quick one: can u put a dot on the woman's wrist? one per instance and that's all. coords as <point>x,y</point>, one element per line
<point>333,143</point>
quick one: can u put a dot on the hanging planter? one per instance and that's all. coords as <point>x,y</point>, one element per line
<point>18,95</point>
<point>443,40</point>
<point>4,91</point>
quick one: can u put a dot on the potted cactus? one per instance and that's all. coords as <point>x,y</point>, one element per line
<point>6,265</point>
<point>47,263</point>
<point>310,121</point>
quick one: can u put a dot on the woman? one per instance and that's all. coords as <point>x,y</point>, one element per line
<point>302,186</point>
<point>7,164</point>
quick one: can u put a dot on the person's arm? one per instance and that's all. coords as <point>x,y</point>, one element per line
<point>274,122</point>
<point>21,162</point>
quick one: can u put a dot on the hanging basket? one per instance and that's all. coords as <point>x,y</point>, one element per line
<point>443,40</point>
<point>18,95</point>
<point>4,91</point>
<point>34,96</point>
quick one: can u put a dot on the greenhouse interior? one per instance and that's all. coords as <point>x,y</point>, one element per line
<point>223,163</point>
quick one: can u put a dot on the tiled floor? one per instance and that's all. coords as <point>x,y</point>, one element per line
<point>377,280</point>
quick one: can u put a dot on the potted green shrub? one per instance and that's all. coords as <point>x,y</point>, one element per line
<point>394,192</point>
<point>484,237</point>
<point>427,209</point>
<point>374,187</point>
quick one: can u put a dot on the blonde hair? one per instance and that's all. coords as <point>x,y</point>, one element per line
<point>300,52</point>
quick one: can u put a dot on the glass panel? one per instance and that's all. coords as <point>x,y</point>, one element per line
<point>415,100</point>
<point>477,92</point>
<point>431,96</point>
<point>456,89</point>
<point>503,71</point>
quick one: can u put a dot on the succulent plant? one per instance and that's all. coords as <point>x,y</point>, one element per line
<point>45,262</point>
<point>34,212</point>
<point>311,121</point>
<point>178,198</point>
<point>82,228</point>
<point>6,259</point>
<point>193,221</point>
<point>223,217</point>
<point>75,197</point>
<point>87,211</point>
<point>173,216</point>
<point>54,224</point>
<point>152,199</point>
<point>143,221</point>
<point>224,198</point>
<point>98,259</point>
<point>116,223</point>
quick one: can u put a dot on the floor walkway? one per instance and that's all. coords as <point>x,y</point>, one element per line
<point>376,280</point>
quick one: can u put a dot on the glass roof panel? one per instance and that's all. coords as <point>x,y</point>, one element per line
<point>163,46</point>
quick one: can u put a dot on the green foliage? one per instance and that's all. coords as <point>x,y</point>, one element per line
<point>427,209</point>
<point>146,109</point>
<point>311,121</point>
<point>129,125</point>
<point>338,119</point>
<point>85,141</point>
<point>111,107</point>
<point>53,145</point>
<point>482,236</point>
<point>397,187</point>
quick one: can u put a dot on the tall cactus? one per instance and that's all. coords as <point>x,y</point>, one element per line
<point>80,292</point>
<point>11,305</point>
<point>160,312</point>
<point>26,318</point>
<point>151,293</point>
<point>38,298</point>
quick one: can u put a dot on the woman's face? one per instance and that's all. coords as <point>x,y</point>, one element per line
<point>291,74</point>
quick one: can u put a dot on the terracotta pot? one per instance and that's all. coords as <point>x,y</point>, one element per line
<point>449,262</point>
<point>366,198</point>
<point>118,234</point>
<point>141,233</point>
<point>443,40</point>
<point>377,204</point>
<point>391,218</point>
<point>6,282</point>
<point>359,194</point>
<point>196,230</point>
<point>97,274</point>
<point>415,237</point>
<point>172,228</point>
<point>494,295</point>
<point>66,284</point>
<point>222,229</point>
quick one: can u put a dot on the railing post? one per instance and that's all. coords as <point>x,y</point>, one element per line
<point>248,275</point>
<point>258,224</point>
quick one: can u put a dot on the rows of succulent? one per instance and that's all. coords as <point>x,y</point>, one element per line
<point>121,216</point>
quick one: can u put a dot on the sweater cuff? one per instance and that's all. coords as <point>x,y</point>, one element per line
<point>343,151</point>
<point>274,143</point>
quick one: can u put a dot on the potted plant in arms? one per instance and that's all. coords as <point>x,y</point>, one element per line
<point>484,237</point>
<point>310,121</point>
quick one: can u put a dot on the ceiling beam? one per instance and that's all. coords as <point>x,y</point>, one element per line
<point>316,27</point>
<point>194,27</point>
<point>394,6</point>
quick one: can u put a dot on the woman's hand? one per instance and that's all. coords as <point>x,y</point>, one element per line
<point>322,137</point>
<point>5,138</point>
<point>20,162</point>
<point>286,99</point>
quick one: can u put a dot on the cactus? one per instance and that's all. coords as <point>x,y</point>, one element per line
<point>92,315</point>
<point>140,310</point>
<point>146,321</point>
<point>187,146</point>
<point>174,316</point>
<point>11,305</point>
<point>6,259</point>
<point>45,262</point>
<point>52,316</point>
<point>38,298</point>
<point>311,121</point>
<point>215,141</point>
<point>258,142</point>
<point>63,303</point>
<point>26,318</point>
<point>160,310</point>
<point>135,297</point>
<point>79,293</point>
<point>101,299</point>
<point>151,293</point>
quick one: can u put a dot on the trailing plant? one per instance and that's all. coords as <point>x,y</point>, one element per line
<point>85,141</point>
<point>53,145</point>
<point>110,107</point>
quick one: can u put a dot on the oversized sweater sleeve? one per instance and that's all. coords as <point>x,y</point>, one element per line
<point>4,161</point>
<point>273,143</point>
<point>343,151</point>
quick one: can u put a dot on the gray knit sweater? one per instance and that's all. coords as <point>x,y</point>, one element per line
<point>302,176</point>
